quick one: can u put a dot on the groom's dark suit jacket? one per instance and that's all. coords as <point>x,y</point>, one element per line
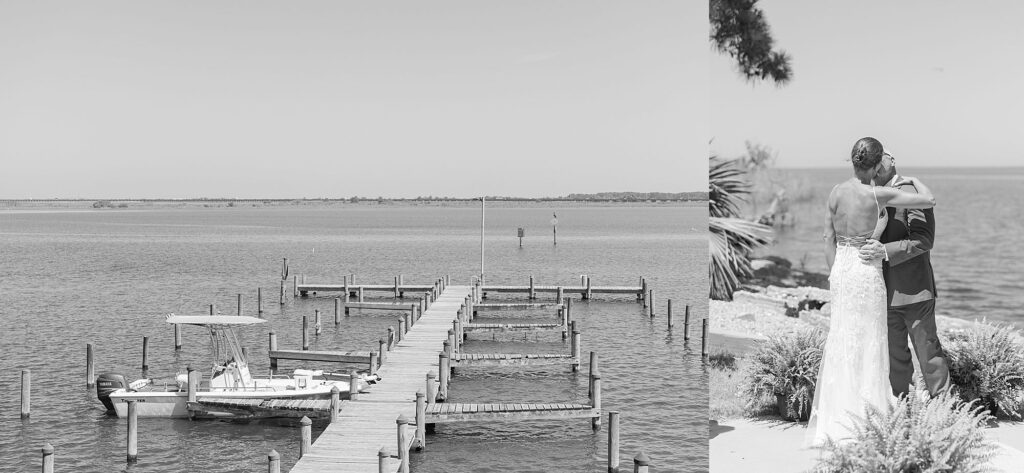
<point>908,240</point>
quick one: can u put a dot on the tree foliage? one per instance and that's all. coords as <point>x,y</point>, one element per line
<point>739,29</point>
<point>732,238</point>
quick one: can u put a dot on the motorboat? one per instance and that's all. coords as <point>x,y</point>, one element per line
<point>231,391</point>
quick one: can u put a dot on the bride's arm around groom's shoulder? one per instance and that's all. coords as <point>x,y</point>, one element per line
<point>905,199</point>
<point>920,224</point>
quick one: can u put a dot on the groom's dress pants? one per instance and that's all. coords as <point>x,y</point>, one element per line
<point>918,321</point>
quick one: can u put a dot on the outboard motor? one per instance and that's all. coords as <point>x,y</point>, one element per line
<point>107,383</point>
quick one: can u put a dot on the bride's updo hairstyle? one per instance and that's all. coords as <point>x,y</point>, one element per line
<point>867,152</point>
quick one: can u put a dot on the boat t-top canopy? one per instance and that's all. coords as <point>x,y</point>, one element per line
<point>210,320</point>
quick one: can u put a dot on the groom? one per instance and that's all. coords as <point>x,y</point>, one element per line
<point>910,284</point>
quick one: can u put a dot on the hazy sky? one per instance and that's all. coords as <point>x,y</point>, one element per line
<point>334,99</point>
<point>941,83</point>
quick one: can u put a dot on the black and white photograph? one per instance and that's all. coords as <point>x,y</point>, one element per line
<point>426,236</point>
<point>865,210</point>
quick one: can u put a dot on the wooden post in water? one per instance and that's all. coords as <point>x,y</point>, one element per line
<point>194,377</point>
<point>382,460</point>
<point>259,300</point>
<point>686,324</point>
<point>295,285</point>
<point>281,301</point>
<point>613,442</point>
<point>335,402</point>
<point>177,337</point>
<point>532,293</point>
<point>593,370</point>
<point>374,362</point>
<point>421,420</point>
<point>47,458</point>
<point>704,339</point>
<point>575,346</point>
<point>396,287</point>
<point>403,454</point>
<point>444,372</point>
<point>213,309</point>
<point>361,291</point>
<point>239,305</point>
<point>133,431</point>
<point>90,367</point>
<point>431,388</point>
<point>408,321</point>
<point>401,281</point>
<point>558,295</point>
<point>589,292</point>
<point>451,340</point>
<point>401,328</point>
<point>337,310</point>
<point>383,351</point>
<point>353,384</point>
<point>26,393</point>
<point>668,313</point>
<point>568,318</point>
<point>307,436</point>
<point>145,354</point>
<point>273,462</point>
<point>595,401</point>
<point>391,337</point>
<point>305,328</point>
<point>641,464</point>
<point>651,302</point>
<point>273,347</point>
<point>316,322</point>
<point>583,280</point>
<point>347,293</point>
<point>643,291</point>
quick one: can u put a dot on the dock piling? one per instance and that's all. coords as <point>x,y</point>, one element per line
<point>595,401</point>
<point>383,351</point>
<point>382,460</point>
<point>90,367</point>
<point>593,371</point>
<point>613,442</point>
<point>259,300</point>
<point>273,462</point>
<point>533,294</point>
<point>651,302</point>
<point>668,313</point>
<point>421,417</point>
<point>686,324</point>
<point>282,292</point>
<point>403,454</point>
<point>558,295</point>
<point>575,347</point>
<point>431,388</point>
<point>396,287</point>
<point>374,362</point>
<point>391,338</point>
<point>47,458</point>
<point>337,310</point>
<point>194,377</point>
<point>643,291</point>
<point>316,322</point>
<point>361,294</point>
<point>177,337</point>
<point>273,347</point>
<point>401,328</point>
<point>444,372</point>
<point>26,393</point>
<point>353,385</point>
<point>145,354</point>
<point>307,436</point>
<point>704,339</point>
<point>641,464</point>
<point>335,403</point>
<point>589,290</point>
<point>239,305</point>
<point>305,328</point>
<point>133,431</point>
<point>213,309</point>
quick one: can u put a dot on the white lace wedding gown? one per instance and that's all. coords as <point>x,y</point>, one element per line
<point>854,368</point>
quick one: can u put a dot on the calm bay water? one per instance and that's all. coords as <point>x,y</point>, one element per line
<point>109,277</point>
<point>979,217</point>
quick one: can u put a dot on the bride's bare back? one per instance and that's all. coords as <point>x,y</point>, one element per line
<point>854,209</point>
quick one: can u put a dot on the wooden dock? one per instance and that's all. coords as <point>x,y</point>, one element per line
<point>365,425</point>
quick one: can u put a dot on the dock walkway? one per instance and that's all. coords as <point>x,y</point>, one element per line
<point>368,423</point>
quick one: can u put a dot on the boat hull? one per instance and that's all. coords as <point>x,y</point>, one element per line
<point>174,404</point>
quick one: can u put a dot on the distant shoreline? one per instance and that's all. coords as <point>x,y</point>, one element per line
<point>138,204</point>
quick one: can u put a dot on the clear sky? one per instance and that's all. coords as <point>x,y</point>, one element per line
<point>334,99</point>
<point>941,83</point>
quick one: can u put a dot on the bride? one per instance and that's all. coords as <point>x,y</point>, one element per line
<point>854,369</point>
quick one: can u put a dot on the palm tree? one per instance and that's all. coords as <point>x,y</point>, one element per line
<point>739,29</point>
<point>732,238</point>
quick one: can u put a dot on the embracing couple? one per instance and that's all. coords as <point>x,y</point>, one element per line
<point>878,233</point>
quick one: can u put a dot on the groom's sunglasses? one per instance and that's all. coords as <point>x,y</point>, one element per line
<point>891,161</point>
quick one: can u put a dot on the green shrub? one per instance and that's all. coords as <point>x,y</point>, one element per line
<point>987,364</point>
<point>919,434</point>
<point>784,371</point>
<point>722,360</point>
